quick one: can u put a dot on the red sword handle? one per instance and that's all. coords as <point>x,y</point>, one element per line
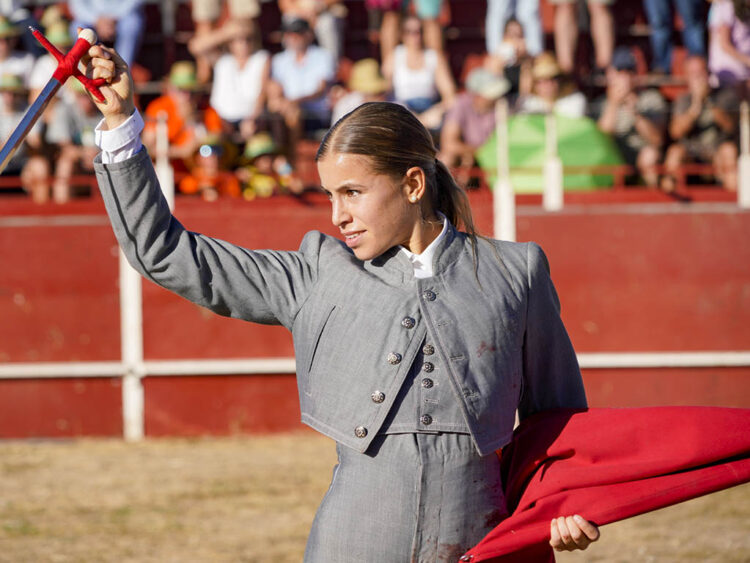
<point>67,65</point>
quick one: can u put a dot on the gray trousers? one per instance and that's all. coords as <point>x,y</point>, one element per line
<point>410,498</point>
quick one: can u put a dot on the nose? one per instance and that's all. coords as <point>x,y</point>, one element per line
<point>340,215</point>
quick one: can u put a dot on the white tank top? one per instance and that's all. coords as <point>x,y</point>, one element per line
<point>410,83</point>
<point>235,90</point>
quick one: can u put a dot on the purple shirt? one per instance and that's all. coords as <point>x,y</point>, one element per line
<point>727,69</point>
<point>476,127</point>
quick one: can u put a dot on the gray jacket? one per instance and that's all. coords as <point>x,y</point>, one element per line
<point>496,327</point>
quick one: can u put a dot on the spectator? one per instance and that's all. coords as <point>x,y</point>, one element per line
<point>11,61</point>
<point>206,177</point>
<point>525,12</point>
<point>240,82</point>
<point>206,14</point>
<point>566,32</point>
<point>385,14</point>
<point>420,77</point>
<point>27,160</point>
<point>301,75</point>
<point>115,21</point>
<point>661,19</point>
<point>366,84</point>
<point>703,128</point>
<point>635,119</point>
<point>511,59</point>
<point>729,48</point>
<point>471,120</point>
<point>72,130</point>
<point>22,18</point>
<point>266,172</point>
<point>326,17</point>
<point>186,124</point>
<point>549,93</point>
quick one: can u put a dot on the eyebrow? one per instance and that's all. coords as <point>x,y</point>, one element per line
<point>342,187</point>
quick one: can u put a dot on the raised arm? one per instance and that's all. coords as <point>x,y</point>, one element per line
<point>262,286</point>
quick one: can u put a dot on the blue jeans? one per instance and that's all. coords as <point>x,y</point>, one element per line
<point>527,14</point>
<point>660,17</point>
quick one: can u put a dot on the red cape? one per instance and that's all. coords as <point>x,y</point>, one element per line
<point>608,465</point>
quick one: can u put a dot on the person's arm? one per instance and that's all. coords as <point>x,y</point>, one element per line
<point>262,286</point>
<point>607,119</point>
<point>444,82</point>
<point>551,378</point>
<point>724,40</point>
<point>683,119</point>
<point>647,129</point>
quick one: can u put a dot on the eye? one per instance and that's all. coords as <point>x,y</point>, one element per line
<point>352,193</point>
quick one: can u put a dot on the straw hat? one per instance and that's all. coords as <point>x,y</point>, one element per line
<point>7,29</point>
<point>258,145</point>
<point>487,84</point>
<point>365,77</point>
<point>545,66</point>
<point>182,75</point>
<point>58,34</point>
<point>11,83</point>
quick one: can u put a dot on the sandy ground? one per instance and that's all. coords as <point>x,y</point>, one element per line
<point>253,499</point>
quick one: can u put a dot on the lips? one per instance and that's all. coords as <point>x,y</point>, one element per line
<point>352,238</point>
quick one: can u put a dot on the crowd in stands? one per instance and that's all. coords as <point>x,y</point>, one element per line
<point>237,109</point>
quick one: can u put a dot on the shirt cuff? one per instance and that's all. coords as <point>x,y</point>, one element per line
<point>122,142</point>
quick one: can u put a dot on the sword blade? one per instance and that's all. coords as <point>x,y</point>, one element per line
<point>27,122</point>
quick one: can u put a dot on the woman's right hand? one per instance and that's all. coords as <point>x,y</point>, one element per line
<point>118,105</point>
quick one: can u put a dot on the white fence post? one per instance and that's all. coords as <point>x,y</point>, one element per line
<point>164,170</point>
<point>503,198</point>
<point>743,162</point>
<point>131,342</point>
<point>552,195</point>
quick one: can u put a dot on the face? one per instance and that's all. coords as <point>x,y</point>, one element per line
<point>412,30</point>
<point>547,88</point>
<point>372,211</point>
<point>241,47</point>
<point>295,41</point>
<point>514,31</point>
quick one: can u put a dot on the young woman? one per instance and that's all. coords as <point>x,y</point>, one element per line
<point>415,342</point>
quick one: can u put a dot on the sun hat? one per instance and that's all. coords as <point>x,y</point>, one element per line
<point>182,75</point>
<point>259,145</point>
<point>58,34</point>
<point>545,66</point>
<point>7,29</point>
<point>11,83</point>
<point>487,84</point>
<point>365,77</point>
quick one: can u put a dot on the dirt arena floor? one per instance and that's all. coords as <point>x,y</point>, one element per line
<point>253,499</point>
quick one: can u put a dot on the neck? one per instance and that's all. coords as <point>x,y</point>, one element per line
<point>424,234</point>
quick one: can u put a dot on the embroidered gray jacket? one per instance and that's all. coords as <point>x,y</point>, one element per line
<point>496,329</point>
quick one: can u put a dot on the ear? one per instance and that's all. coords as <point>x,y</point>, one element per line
<point>415,184</point>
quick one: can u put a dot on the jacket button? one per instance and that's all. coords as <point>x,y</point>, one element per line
<point>427,383</point>
<point>408,322</point>
<point>428,367</point>
<point>428,349</point>
<point>425,419</point>
<point>360,431</point>
<point>429,295</point>
<point>394,358</point>
<point>377,397</point>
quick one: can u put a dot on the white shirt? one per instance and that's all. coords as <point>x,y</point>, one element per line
<point>422,263</point>
<point>235,90</point>
<point>122,142</point>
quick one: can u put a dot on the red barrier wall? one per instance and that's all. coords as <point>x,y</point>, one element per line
<point>649,277</point>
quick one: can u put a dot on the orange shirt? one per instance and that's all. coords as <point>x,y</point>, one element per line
<point>224,182</point>
<point>178,131</point>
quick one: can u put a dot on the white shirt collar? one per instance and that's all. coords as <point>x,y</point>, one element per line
<point>422,263</point>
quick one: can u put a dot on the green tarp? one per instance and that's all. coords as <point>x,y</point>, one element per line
<point>580,143</point>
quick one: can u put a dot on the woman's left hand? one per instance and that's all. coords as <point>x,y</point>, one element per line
<point>568,533</point>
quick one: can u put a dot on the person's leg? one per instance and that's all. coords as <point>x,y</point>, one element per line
<point>694,26</point>
<point>676,155</point>
<point>129,34</point>
<point>329,30</point>
<point>659,14</point>
<point>527,13</point>
<point>428,11</point>
<point>725,164</point>
<point>498,12</point>
<point>602,32</point>
<point>646,163</point>
<point>566,34</point>
<point>389,32</point>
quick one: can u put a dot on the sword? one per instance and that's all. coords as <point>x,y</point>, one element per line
<point>67,66</point>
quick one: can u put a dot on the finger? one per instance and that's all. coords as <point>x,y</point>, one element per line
<point>591,531</point>
<point>555,541</point>
<point>565,542</point>
<point>578,538</point>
